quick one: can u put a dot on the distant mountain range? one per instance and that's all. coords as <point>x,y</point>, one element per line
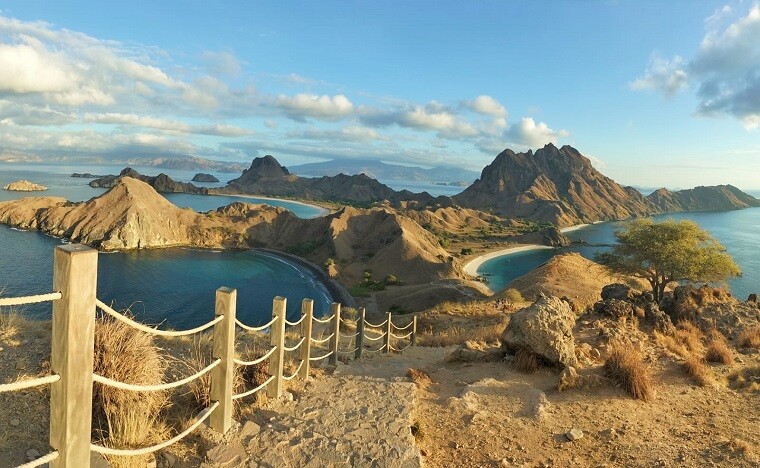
<point>385,171</point>
<point>186,163</point>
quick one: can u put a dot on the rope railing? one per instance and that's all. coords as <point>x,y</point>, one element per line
<point>295,373</point>
<point>402,337</point>
<point>202,416</point>
<point>319,358</point>
<point>297,322</point>
<point>153,388</point>
<point>385,322</point>
<point>40,461</point>
<point>154,331</point>
<point>314,340</point>
<point>23,300</point>
<point>252,391</point>
<point>366,337</point>
<point>324,320</point>
<point>293,348</point>
<point>399,350</point>
<point>353,335</point>
<point>348,351</point>
<point>374,351</point>
<point>402,328</point>
<point>255,329</point>
<point>31,383</point>
<point>255,361</point>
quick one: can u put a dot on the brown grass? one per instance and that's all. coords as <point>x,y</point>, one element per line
<point>699,371</point>
<point>200,356</point>
<point>750,338</point>
<point>419,377</point>
<point>121,418</point>
<point>747,379</point>
<point>526,361</point>
<point>719,351</point>
<point>690,336</point>
<point>457,335</point>
<point>626,366</point>
<point>10,324</point>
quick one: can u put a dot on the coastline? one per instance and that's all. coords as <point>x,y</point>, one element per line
<point>471,267</point>
<point>322,210</point>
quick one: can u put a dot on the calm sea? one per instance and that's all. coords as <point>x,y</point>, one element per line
<point>736,230</point>
<point>174,286</point>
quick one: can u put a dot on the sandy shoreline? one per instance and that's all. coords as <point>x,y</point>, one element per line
<point>471,268</point>
<point>322,210</point>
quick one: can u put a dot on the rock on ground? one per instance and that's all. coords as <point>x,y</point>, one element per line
<point>545,328</point>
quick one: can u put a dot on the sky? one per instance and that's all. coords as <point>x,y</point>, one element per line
<point>654,93</point>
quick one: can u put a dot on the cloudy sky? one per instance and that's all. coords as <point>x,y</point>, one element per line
<point>655,93</point>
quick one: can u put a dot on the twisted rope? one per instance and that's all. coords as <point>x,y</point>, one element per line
<point>152,388</point>
<point>349,352</point>
<point>297,322</point>
<point>326,320</point>
<point>376,326</point>
<point>154,331</point>
<point>402,337</point>
<point>399,350</point>
<point>375,338</point>
<point>24,384</point>
<point>285,348</point>
<point>320,357</point>
<point>13,301</point>
<point>251,392</point>
<point>402,328</point>
<point>314,340</point>
<point>374,351</point>
<point>202,416</point>
<point>292,376</point>
<point>348,336</point>
<point>40,461</point>
<point>255,329</point>
<point>255,361</point>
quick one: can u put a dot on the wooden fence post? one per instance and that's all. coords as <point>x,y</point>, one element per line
<point>307,312</point>
<point>222,381</point>
<point>360,333</point>
<point>335,340</point>
<point>75,276</point>
<point>388,330</point>
<point>414,331</point>
<point>277,338</point>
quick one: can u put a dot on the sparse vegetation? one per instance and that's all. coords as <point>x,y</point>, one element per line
<point>466,251</point>
<point>699,371</point>
<point>419,377</point>
<point>750,338</point>
<point>718,349</point>
<point>513,295</point>
<point>625,366</point>
<point>526,361</point>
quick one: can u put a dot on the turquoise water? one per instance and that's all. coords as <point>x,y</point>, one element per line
<point>59,183</point>
<point>736,230</point>
<point>175,286</point>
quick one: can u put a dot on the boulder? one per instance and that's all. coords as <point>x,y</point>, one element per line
<point>545,328</point>
<point>617,291</point>
<point>752,298</point>
<point>614,308</point>
<point>659,319</point>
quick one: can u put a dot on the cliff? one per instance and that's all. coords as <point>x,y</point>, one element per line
<point>557,185</point>
<point>716,198</point>
<point>162,182</point>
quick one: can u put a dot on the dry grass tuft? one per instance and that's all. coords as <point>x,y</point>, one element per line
<point>419,377</point>
<point>457,335</point>
<point>750,338</point>
<point>200,357</point>
<point>125,419</point>
<point>746,379</point>
<point>626,366</point>
<point>10,324</point>
<point>526,361</point>
<point>699,371</point>
<point>690,336</point>
<point>718,350</point>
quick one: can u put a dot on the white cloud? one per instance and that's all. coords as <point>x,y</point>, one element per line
<point>486,105</point>
<point>349,133</point>
<point>165,124</point>
<point>668,76</point>
<point>527,132</point>
<point>725,69</point>
<point>223,63</point>
<point>311,105</point>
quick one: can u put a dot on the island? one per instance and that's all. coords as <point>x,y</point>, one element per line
<point>24,186</point>
<point>201,177</point>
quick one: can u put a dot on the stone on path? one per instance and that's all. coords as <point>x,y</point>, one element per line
<point>574,434</point>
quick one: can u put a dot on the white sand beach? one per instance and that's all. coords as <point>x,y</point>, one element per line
<point>471,268</point>
<point>322,210</point>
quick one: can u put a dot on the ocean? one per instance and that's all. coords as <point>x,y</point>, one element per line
<point>175,286</point>
<point>737,230</point>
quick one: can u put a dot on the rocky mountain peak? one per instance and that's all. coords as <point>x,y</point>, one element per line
<point>266,167</point>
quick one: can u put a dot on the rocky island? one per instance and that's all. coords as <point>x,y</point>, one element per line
<point>24,186</point>
<point>201,177</point>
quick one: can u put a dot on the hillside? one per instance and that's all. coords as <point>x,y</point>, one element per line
<point>557,185</point>
<point>132,215</point>
<point>187,163</point>
<point>382,170</point>
<point>267,177</point>
<point>716,198</point>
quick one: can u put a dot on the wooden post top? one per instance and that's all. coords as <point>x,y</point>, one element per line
<point>73,249</point>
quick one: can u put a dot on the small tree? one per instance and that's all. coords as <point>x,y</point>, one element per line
<point>668,251</point>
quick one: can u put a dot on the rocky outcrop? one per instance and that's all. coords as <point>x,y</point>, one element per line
<point>24,186</point>
<point>550,236</point>
<point>545,328</point>
<point>85,175</point>
<point>557,185</point>
<point>716,198</point>
<point>201,177</point>
<point>162,182</point>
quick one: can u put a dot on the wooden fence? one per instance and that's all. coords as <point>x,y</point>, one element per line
<point>71,376</point>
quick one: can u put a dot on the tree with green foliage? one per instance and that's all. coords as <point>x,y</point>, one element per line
<point>668,251</point>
